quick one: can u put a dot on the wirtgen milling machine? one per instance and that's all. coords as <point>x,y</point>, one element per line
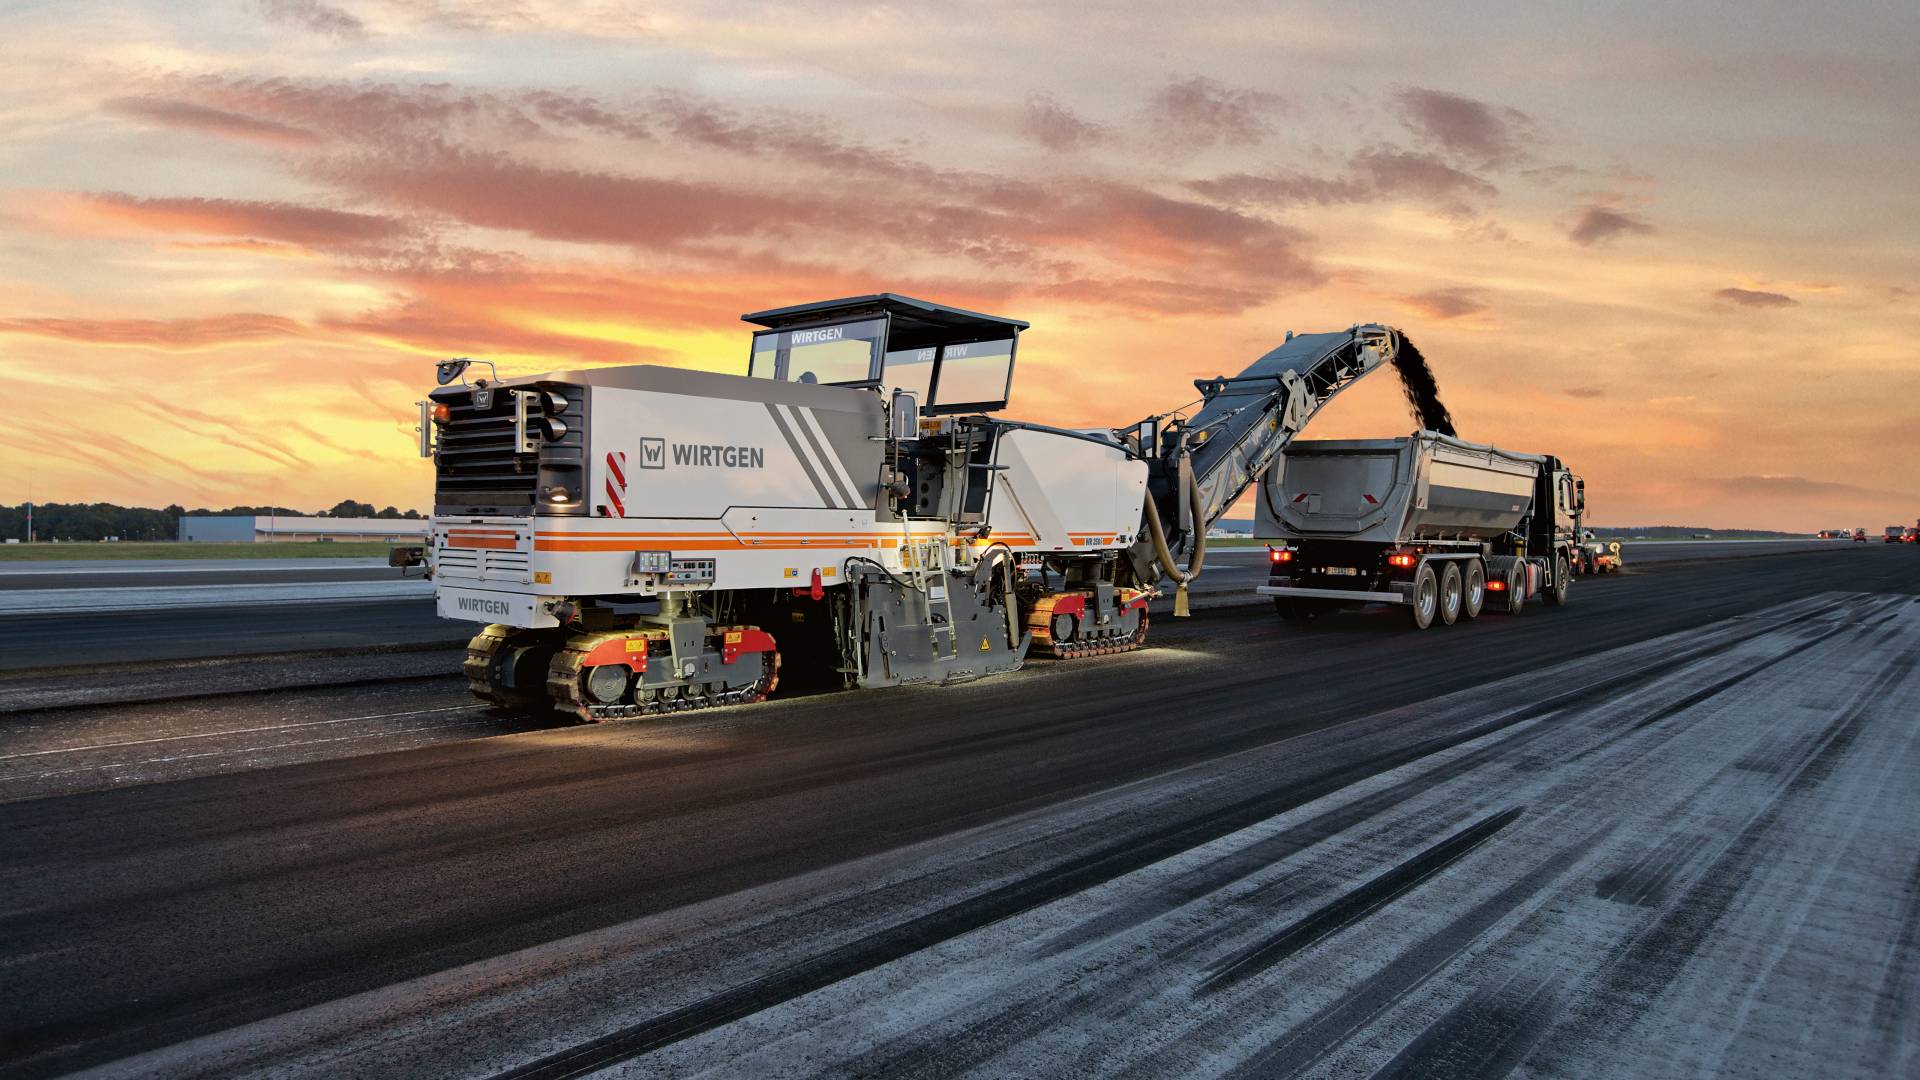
<point>649,539</point>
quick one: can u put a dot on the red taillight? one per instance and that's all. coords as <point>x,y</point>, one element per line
<point>1279,555</point>
<point>1402,559</point>
<point>1496,586</point>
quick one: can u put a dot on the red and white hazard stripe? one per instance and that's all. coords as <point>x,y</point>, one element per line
<point>617,482</point>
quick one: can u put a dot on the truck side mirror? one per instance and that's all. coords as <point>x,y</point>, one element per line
<point>906,415</point>
<point>1579,494</point>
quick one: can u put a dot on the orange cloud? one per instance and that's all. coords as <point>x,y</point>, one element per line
<point>1453,303</point>
<point>184,333</point>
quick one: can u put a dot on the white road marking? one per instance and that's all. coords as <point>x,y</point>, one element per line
<point>235,731</point>
<point>240,750</point>
<point>169,597</point>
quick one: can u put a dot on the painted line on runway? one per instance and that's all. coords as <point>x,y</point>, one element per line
<point>241,750</point>
<point>236,731</point>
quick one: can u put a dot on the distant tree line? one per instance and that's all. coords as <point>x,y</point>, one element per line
<point>97,521</point>
<point>1682,532</point>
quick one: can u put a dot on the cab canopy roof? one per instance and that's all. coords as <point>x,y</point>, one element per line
<point>910,317</point>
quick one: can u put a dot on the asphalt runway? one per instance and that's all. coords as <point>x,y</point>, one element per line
<point>174,573</point>
<point>78,639</point>
<point>1664,831</point>
<point>181,613</point>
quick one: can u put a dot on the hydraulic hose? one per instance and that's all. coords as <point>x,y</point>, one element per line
<point>1165,556</point>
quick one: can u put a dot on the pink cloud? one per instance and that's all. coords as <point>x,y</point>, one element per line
<point>1598,224</point>
<point>287,222</point>
<point>1489,134</point>
<point>202,119</point>
<point>1753,298</point>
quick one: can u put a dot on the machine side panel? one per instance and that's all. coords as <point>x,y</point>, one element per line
<point>674,455</point>
<point>1064,494</point>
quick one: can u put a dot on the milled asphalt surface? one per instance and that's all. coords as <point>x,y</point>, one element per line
<point>1664,831</point>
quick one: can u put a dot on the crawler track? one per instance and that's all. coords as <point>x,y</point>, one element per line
<point>564,684</point>
<point>1040,623</point>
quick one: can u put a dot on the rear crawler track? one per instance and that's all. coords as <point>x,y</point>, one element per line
<point>530,670</point>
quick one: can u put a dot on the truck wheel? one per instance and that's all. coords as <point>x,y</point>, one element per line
<point>1426,597</point>
<point>1293,609</point>
<point>1557,596</point>
<point>1473,594</point>
<point>1450,599</point>
<point>1517,587</point>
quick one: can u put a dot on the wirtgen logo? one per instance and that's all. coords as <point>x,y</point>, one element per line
<point>653,455</point>
<point>480,605</point>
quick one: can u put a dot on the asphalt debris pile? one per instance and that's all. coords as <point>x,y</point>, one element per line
<point>1423,392</point>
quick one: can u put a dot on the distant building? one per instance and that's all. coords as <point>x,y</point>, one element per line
<point>268,530</point>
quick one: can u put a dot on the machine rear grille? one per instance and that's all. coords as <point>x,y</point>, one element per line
<point>478,466</point>
<point>476,463</point>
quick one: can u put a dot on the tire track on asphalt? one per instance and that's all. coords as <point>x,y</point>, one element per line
<point>1655,955</point>
<point>1296,1052</point>
<point>1351,907</point>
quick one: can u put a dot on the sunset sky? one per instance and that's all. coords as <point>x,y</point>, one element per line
<point>1673,243</point>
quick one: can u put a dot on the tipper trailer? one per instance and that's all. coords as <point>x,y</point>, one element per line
<point>1441,526</point>
<point>646,539</point>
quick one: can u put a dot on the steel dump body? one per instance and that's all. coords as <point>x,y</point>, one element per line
<point>1425,487</point>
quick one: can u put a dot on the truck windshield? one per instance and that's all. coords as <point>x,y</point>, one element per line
<point>842,353</point>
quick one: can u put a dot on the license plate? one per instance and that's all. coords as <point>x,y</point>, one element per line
<point>1342,571</point>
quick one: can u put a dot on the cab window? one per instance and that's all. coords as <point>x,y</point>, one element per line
<point>911,370</point>
<point>973,374</point>
<point>841,353</point>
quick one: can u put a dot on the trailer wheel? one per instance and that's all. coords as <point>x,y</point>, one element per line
<point>1473,594</point>
<point>1450,594</point>
<point>1426,596</point>
<point>1557,596</point>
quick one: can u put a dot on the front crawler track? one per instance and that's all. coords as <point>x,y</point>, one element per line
<point>1046,617</point>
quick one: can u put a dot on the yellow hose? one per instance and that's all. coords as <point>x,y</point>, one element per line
<point>1165,555</point>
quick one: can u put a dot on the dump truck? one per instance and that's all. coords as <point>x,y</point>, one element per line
<point>847,512</point>
<point>1442,527</point>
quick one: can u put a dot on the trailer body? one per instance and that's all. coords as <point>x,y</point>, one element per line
<point>1428,521</point>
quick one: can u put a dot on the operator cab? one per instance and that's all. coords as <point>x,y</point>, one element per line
<point>950,359</point>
